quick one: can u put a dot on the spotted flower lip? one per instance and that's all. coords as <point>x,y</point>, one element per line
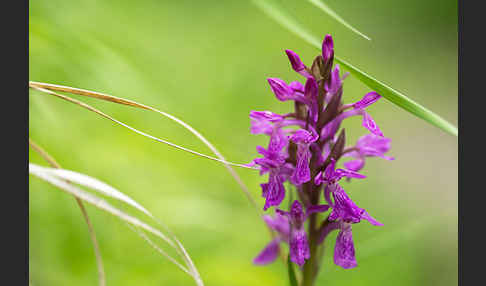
<point>303,139</point>
<point>344,253</point>
<point>299,246</point>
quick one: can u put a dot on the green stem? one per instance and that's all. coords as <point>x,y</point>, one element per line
<point>310,267</point>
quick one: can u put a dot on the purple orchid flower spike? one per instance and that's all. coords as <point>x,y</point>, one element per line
<point>282,227</point>
<point>303,139</point>
<point>297,64</point>
<point>303,151</point>
<point>368,145</point>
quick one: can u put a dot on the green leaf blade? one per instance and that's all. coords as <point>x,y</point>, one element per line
<point>279,15</point>
<point>399,99</point>
<point>326,9</point>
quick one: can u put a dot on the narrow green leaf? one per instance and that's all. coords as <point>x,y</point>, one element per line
<point>283,18</point>
<point>292,278</point>
<point>326,9</point>
<point>399,98</point>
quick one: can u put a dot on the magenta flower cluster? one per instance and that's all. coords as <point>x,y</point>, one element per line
<point>304,148</point>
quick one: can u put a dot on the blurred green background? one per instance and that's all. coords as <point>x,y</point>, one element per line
<point>206,62</point>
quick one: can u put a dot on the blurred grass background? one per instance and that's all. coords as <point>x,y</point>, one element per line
<point>206,62</point>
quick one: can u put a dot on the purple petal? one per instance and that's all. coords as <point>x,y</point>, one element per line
<point>295,61</point>
<point>297,64</point>
<point>318,179</point>
<point>344,249</point>
<point>279,223</point>
<point>367,100</point>
<point>329,173</point>
<point>268,254</point>
<point>344,208</point>
<point>334,83</point>
<point>370,124</point>
<point>316,209</point>
<point>354,165</point>
<point>278,141</point>
<point>327,48</point>
<point>283,213</point>
<point>281,90</point>
<point>311,92</point>
<point>330,128</point>
<point>275,191</point>
<point>330,226</point>
<point>372,145</point>
<point>350,174</point>
<point>297,214</point>
<point>327,194</point>
<point>261,121</point>
<point>297,86</point>
<point>304,136</point>
<point>369,218</point>
<point>302,171</point>
<point>299,247</point>
<point>265,115</point>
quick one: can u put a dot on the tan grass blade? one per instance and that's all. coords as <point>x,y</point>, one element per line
<point>99,261</point>
<point>97,185</point>
<point>36,85</point>
<point>157,248</point>
<point>41,173</point>
<point>118,100</point>
<point>108,190</point>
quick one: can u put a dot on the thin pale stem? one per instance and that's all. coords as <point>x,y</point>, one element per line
<point>101,204</point>
<point>99,261</point>
<point>46,87</point>
<point>160,250</point>
<point>118,100</point>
